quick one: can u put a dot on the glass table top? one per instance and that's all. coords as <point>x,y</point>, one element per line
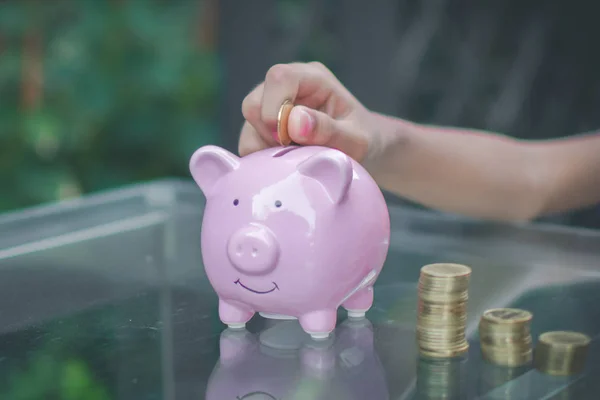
<point>106,298</point>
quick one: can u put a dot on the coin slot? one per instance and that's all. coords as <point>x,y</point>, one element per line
<point>283,151</point>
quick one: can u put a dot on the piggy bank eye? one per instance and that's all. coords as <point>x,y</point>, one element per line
<point>277,203</point>
<point>236,202</point>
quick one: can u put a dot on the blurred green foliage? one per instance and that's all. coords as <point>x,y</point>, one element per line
<point>97,94</point>
<point>67,380</point>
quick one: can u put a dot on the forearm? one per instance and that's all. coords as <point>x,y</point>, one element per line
<point>460,171</point>
<point>571,167</point>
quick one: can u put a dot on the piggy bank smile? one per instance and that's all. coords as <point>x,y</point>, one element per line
<point>256,396</point>
<point>275,287</point>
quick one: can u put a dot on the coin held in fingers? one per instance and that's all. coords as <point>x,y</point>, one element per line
<point>282,123</point>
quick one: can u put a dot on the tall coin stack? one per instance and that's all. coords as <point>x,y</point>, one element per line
<point>505,336</point>
<point>442,310</point>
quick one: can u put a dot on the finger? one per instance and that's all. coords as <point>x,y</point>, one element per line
<point>311,127</point>
<point>250,140</point>
<point>290,81</point>
<point>251,110</point>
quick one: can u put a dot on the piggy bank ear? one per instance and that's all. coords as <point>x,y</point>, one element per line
<point>211,163</point>
<point>332,169</point>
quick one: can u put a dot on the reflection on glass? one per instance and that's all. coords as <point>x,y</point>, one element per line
<point>283,362</point>
<point>107,352</point>
<point>441,379</point>
<point>495,376</point>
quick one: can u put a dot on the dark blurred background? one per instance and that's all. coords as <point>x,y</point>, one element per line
<point>96,94</point>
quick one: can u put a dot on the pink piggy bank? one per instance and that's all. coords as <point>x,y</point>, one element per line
<point>290,232</point>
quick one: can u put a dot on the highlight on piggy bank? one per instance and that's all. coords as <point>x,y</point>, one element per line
<point>280,363</point>
<point>290,233</point>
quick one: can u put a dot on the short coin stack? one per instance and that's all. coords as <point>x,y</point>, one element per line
<point>442,310</point>
<point>505,337</point>
<point>561,353</point>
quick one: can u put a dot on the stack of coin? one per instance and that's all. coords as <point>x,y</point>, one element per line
<point>505,336</point>
<point>561,353</point>
<point>442,310</point>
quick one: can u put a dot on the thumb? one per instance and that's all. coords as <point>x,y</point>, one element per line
<point>311,127</point>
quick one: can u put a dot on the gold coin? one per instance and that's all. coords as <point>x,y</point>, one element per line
<point>566,339</point>
<point>444,282</point>
<point>443,353</point>
<point>561,352</point>
<point>441,340</point>
<point>487,329</point>
<point>441,336</point>
<point>509,360</point>
<point>506,336</point>
<point>499,351</point>
<point>443,287</point>
<point>446,270</point>
<point>441,317</point>
<point>437,299</point>
<point>442,296</point>
<point>282,122</point>
<point>441,322</point>
<point>507,344</point>
<point>507,316</point>
<point>456,309</point>
<point>515,330</point>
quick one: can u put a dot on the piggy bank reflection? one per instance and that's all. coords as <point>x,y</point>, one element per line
<point>291,233</point>
<point>283,362</point>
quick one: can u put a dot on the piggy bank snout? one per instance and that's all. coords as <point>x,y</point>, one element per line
<point>253,250</point>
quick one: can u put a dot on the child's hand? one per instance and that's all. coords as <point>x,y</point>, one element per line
<point>325,112</point>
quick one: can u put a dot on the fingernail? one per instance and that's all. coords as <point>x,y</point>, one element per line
<point>275,135</point>
<point>307,123</point>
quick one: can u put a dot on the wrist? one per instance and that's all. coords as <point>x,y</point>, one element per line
<point>389,137</point>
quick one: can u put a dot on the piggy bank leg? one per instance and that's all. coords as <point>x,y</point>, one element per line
<point>319,324</point>
<point>234,315</point>
<point>359,303</point>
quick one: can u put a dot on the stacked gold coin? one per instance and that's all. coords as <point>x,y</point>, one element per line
<point>561,352</point>
<point>505,336</point>
<point>442,310</point>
